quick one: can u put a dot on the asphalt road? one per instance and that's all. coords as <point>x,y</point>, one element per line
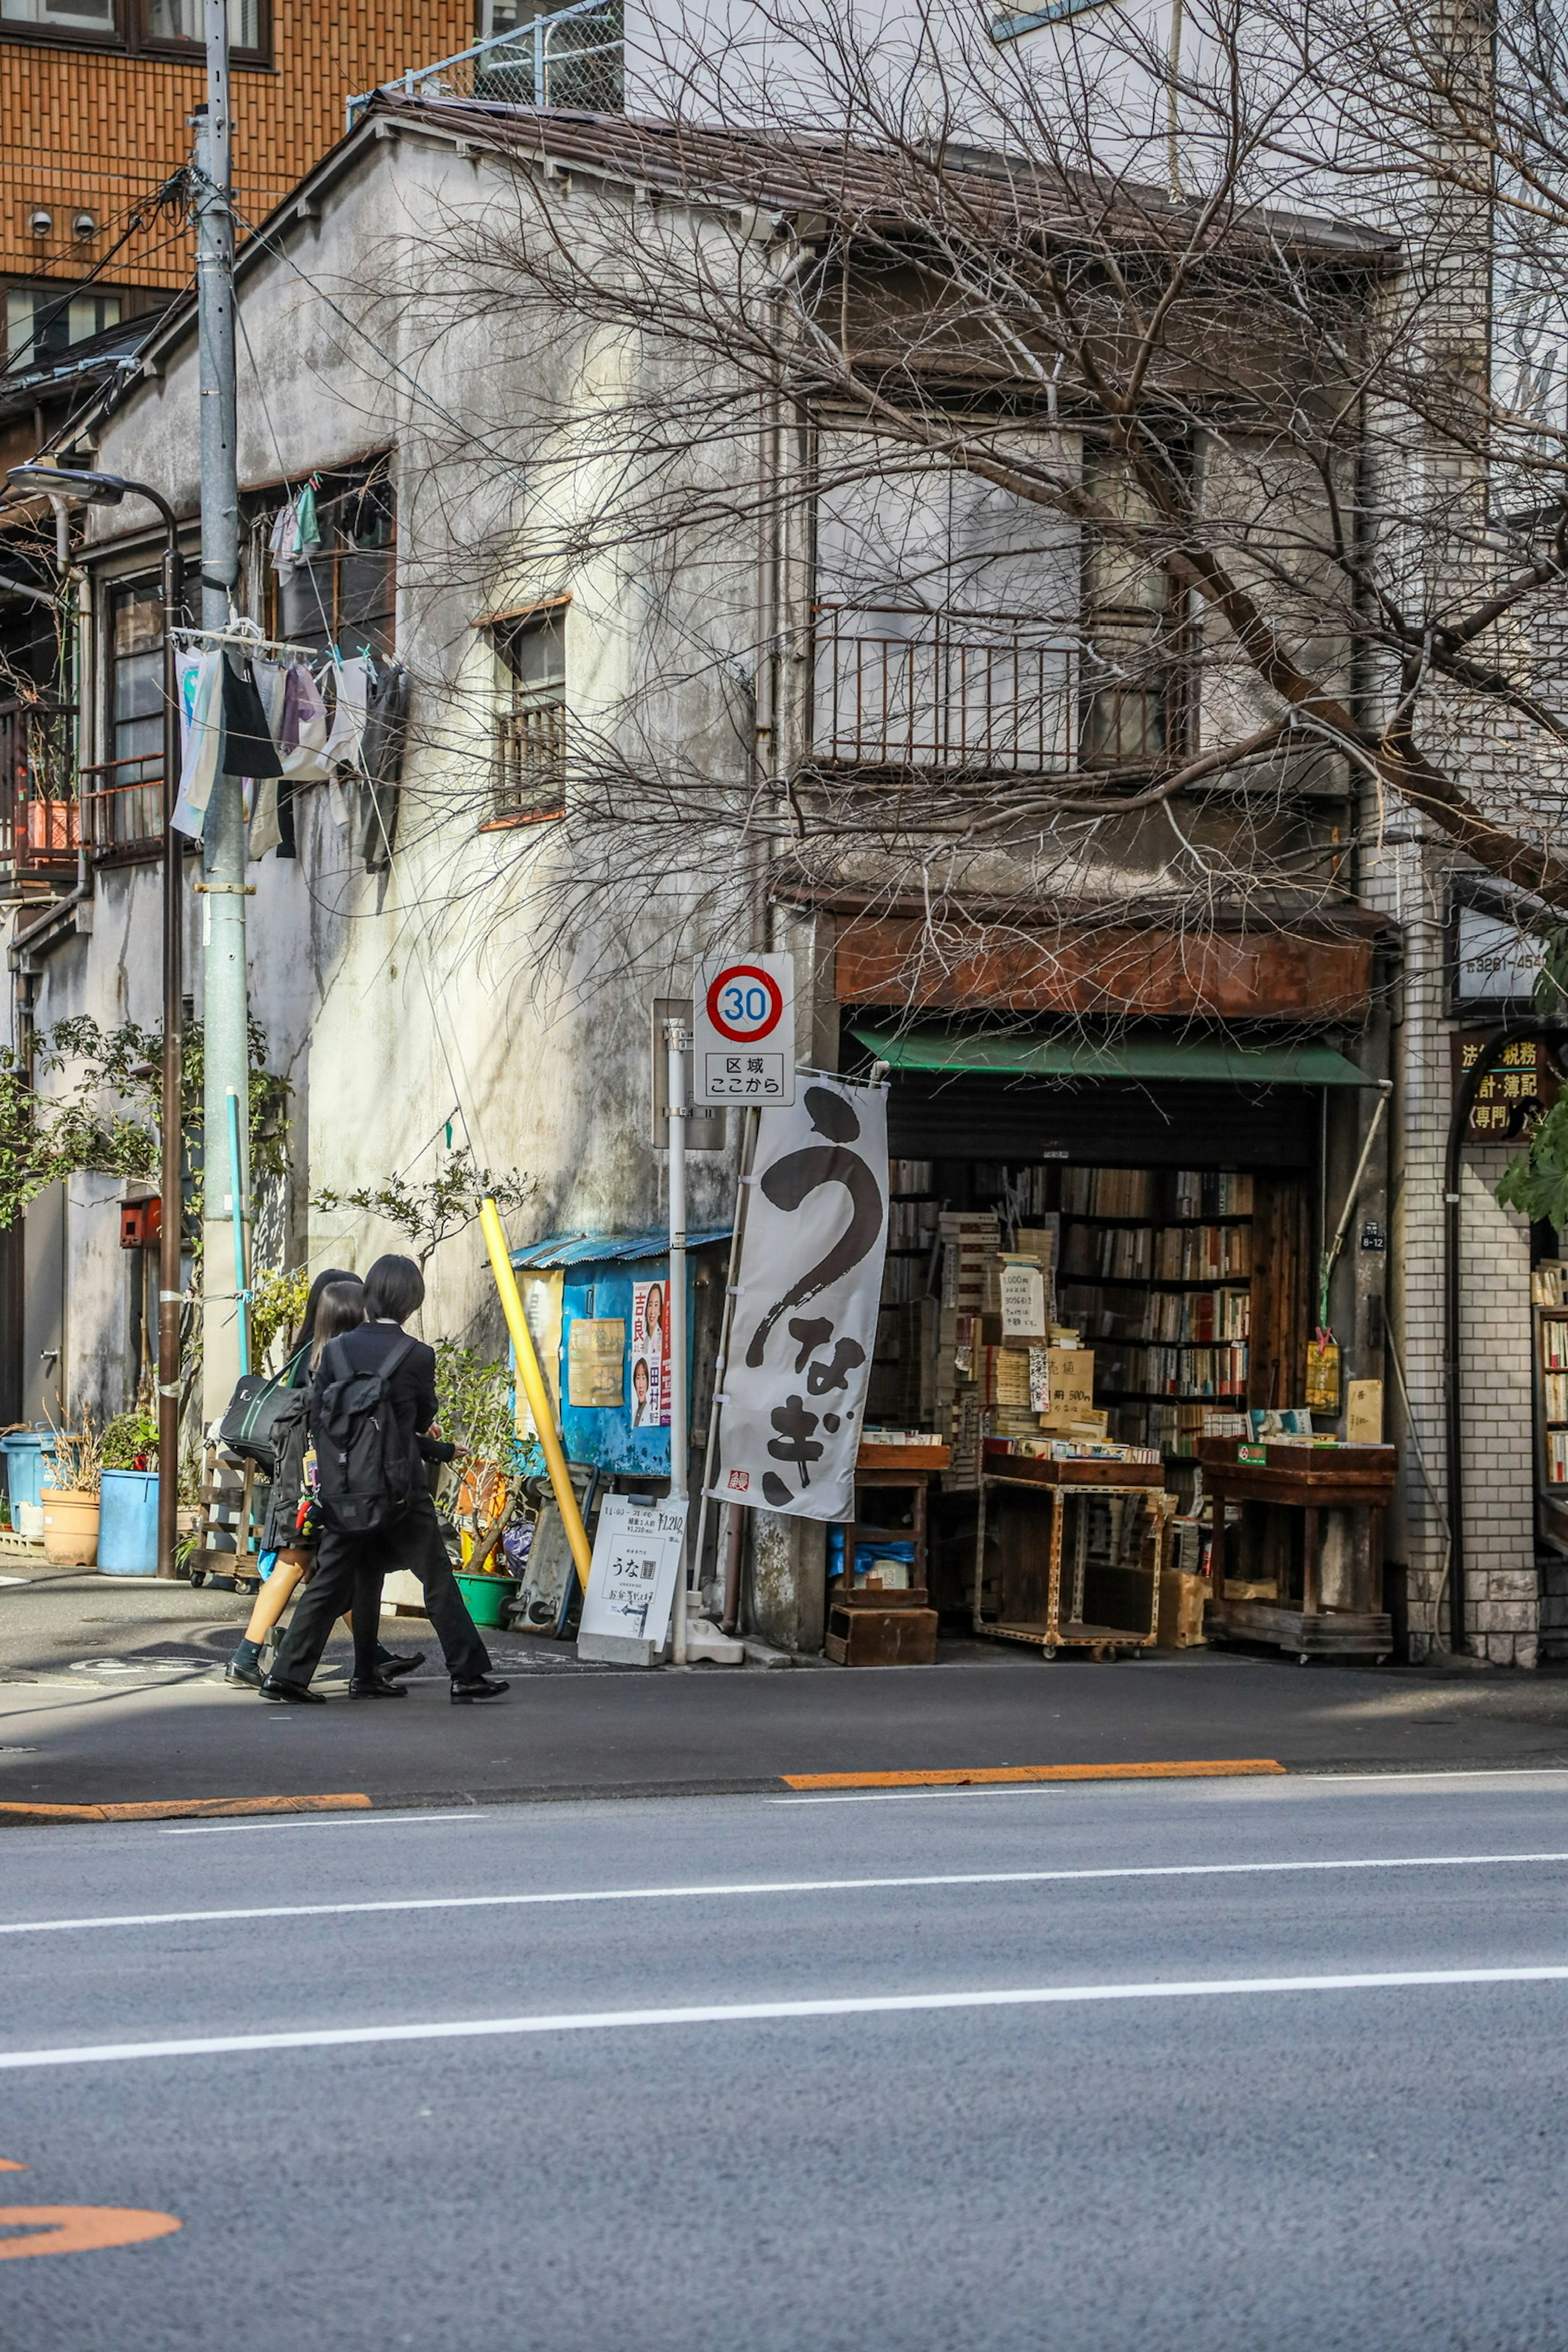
<point>755,2093</point>
<point>111,1690</point>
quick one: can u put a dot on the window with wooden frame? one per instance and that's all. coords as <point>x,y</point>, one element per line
<point>342,588</point>
<point>529,771</point>
<point>151,28</point>
<point>124,791</point>
<point>1130,699</point>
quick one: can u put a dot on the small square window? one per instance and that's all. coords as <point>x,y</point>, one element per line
<point>529,779</point>
<point>62,16</point>
<point>41,321</point>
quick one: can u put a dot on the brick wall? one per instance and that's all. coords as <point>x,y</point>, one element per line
<point>89,129</point>
<point>1503,1612</point>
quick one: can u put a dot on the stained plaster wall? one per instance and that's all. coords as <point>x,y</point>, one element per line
<point>397,1002</point>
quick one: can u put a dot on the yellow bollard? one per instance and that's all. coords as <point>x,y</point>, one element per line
<point>538,1395</point>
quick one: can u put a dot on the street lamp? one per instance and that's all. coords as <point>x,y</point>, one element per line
<point>107,490</point>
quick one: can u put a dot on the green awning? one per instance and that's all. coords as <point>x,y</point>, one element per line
<point>1135,1054</point>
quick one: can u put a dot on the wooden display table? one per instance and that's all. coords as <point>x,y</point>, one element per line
<point>1070,1553</point>
<point>1306,1516</point>
<point>877,1626</point>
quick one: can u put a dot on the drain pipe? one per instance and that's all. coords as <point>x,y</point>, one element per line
<point>1464,1100</point>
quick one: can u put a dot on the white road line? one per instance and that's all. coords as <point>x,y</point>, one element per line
<point>318,1821</point>
<point>1447,1772</point>
<point>751,2012</point>
<point>912,1796</point>
<point>772,1886</point>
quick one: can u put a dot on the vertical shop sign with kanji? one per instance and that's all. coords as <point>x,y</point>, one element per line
<point>809,1283</point>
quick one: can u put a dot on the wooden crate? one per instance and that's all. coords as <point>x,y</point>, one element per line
<point>881,1637</point>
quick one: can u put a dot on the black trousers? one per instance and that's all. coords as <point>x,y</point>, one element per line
<point>349,1572</point>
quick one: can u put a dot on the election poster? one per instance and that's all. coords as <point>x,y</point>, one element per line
<point>650,1356</point>
<point>807,1288</point>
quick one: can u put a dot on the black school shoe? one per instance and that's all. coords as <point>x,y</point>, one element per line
<point>238,1671</point>
<point>375,1686</point>
<point>285,1693</point>
<point>464,1693</point>
<point>389,1664</point>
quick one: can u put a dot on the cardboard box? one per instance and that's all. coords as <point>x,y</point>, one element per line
<point>1180,1625</point>
<point>1069,1378</point>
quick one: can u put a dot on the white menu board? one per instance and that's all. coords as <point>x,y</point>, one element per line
<point>637,1552</point>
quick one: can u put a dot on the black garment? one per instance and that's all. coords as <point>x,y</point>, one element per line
<point>248,746</point>
<point>280,1531</point>
<point>386,731</point>
<point>351,1568</point>
<point>413,1387</point>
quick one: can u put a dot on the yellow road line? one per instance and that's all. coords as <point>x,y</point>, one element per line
<point>1227,1767</point>
<point>177,1809</point>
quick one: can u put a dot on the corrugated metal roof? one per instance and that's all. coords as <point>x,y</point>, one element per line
<point>607,1249</point>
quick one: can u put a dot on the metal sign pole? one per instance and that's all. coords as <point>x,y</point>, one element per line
<point>678,1039</point>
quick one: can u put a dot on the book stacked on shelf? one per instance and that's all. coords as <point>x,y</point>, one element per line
<point>912,1224</point>
<point>1202,1253</point>
<point>911,1175</point>
<point>1210,1192</point>
<point>1147,1372</point>
<point>1549,1284</point>
<point>970,1239</point>
<point>1111,1192</point>
<point>1557,1457</point>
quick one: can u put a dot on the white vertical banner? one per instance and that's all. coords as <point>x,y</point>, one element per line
<point>807,1288</point>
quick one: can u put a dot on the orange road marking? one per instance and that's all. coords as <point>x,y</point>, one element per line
<point>1237,1766</point>
<point>176,1809</point>
<point>78,2229</point>
<point>7,2165</point>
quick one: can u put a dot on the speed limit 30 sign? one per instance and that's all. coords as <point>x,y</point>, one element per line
<point>743,1030</point>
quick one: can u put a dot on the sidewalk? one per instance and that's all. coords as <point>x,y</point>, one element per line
<point>110,1692</point>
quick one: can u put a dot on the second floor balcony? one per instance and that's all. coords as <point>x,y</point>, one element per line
<point>40,814</point>
<point>975,692</point>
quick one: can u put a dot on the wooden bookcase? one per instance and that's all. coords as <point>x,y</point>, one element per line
<point>1550,1360</point>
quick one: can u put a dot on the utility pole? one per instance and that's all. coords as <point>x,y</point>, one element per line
<point>677,1040</point>
<point>224,1185</point>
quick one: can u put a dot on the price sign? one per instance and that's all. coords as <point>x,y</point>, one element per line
<point>743,1026</point>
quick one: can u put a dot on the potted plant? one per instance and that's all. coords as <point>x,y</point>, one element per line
<point>70,1495</point>
<point>477,1410</point>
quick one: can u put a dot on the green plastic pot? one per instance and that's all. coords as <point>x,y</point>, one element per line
<point>487,1597</point>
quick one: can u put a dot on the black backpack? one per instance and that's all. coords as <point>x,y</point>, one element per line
<point>365,1477</point>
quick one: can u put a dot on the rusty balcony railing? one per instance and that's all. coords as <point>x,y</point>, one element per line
<point>529,780</point>
<point>918,690</point>
<point>40,830</point>
<point>122,806</point>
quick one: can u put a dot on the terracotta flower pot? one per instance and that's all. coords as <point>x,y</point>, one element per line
<point>70,1528</point>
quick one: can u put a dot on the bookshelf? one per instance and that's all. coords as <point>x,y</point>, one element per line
<point>1156,1270</point>
<point>1550,1370</point>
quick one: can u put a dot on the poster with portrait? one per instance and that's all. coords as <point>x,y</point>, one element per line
<point>809,1283</point>
<point>650,1356</point>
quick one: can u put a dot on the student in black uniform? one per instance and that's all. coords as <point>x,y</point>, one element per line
<point>351,1568</point>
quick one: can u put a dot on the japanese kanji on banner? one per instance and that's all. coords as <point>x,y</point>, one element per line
<point>809,1281</point>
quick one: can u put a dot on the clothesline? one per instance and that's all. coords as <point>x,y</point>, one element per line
<point>248,640</point>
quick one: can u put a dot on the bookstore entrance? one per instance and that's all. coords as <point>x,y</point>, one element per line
<point>1098,1256</point>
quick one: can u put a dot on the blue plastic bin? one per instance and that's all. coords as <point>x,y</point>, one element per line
<point>25,1450</point>
<point>128,1523</point>
<point>870,1553</point>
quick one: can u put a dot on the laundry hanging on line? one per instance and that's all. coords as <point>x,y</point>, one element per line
<point>277,724</point>
<point>296,533</point>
